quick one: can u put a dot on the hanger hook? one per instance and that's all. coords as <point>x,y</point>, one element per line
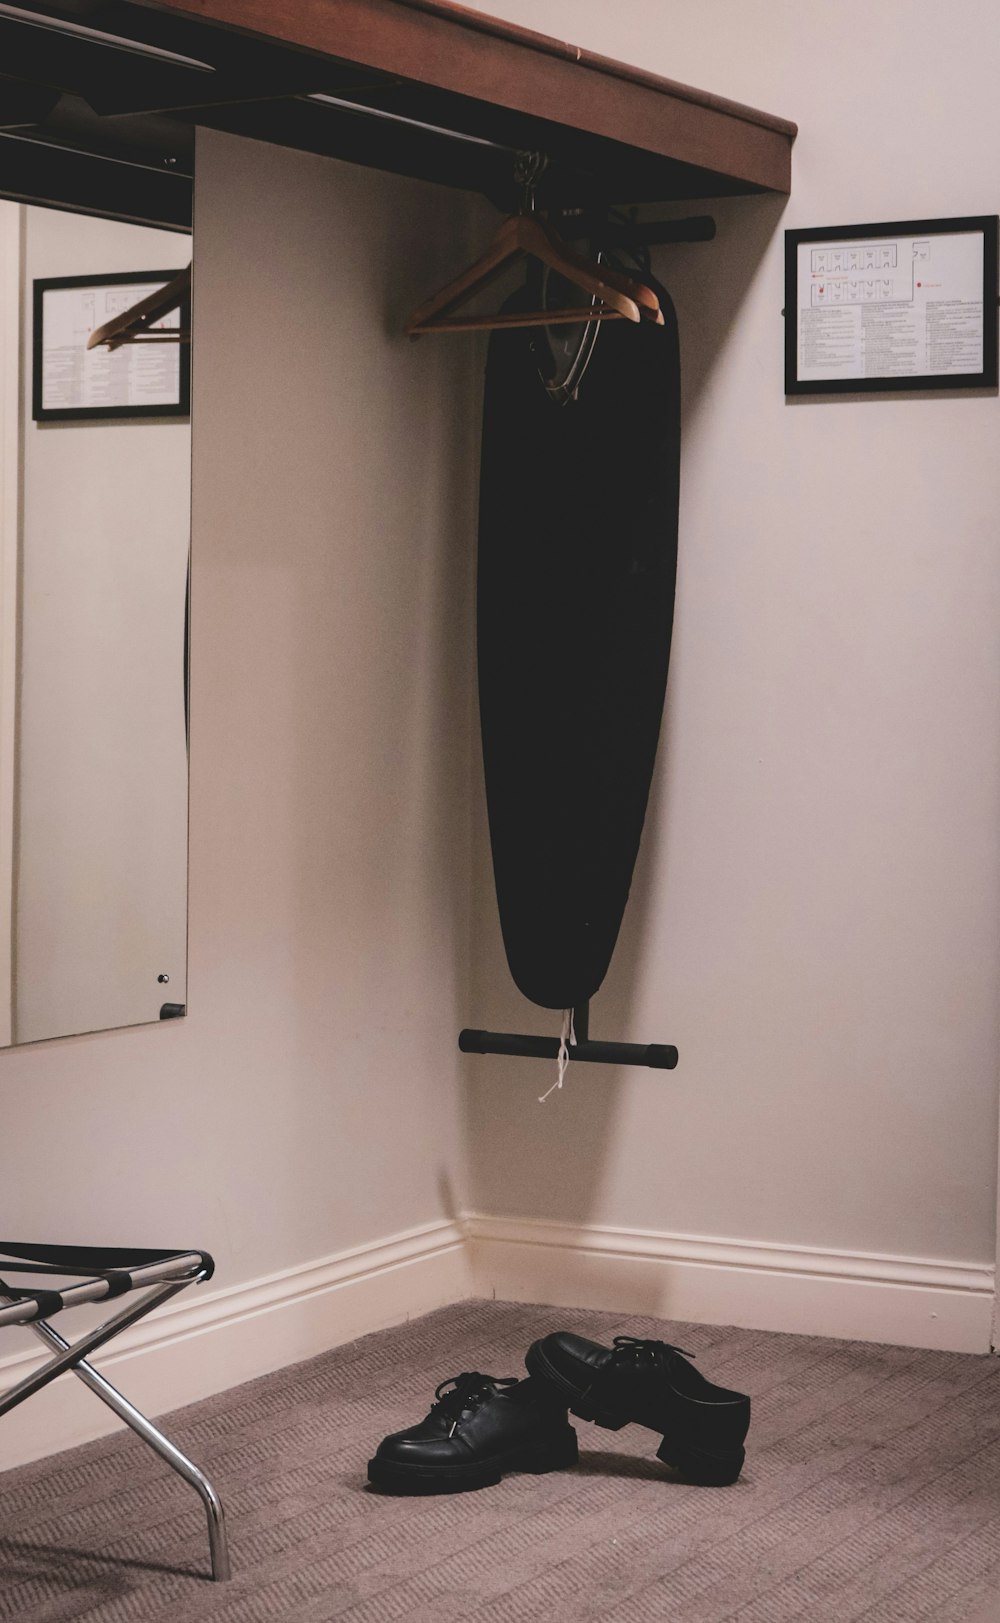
<point>529,167</point>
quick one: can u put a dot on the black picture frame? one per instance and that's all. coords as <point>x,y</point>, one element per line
<point>68,414</point>
<point>986,377</point>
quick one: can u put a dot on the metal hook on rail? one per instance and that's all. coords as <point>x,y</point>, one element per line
<point>529,167</point>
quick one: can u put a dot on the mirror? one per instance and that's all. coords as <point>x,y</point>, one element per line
<point>95,456</point>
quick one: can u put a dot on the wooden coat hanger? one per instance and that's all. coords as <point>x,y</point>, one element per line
<point>133,326</point>
<point>617,296</point>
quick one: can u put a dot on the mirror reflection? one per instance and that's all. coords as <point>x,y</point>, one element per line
<point>95,453</point>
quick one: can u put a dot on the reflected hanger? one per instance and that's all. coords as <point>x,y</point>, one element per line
<point>136,325</point>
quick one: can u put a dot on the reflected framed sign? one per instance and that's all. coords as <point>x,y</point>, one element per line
<point>71,383</point>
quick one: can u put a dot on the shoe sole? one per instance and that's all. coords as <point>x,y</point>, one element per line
<point>391,1476</point>
<point>698,1465</point>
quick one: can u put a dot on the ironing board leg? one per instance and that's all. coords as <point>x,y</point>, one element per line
<point>217,1539</point>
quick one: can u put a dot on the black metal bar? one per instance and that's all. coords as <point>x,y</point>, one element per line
<point>657,1056</point>
<point>650,233</point>
<point>366,110</point>
<point>637,233</point>
<point>33,170</point>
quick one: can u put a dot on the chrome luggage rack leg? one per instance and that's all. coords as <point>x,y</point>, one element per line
<point>73,1356</point>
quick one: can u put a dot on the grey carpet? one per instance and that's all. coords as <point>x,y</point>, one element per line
<point>871,1490</point>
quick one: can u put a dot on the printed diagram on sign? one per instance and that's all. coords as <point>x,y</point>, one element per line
<point>869,272</point>
<point>886,304</point>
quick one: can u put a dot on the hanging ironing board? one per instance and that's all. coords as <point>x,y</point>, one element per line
<point>577,564</point>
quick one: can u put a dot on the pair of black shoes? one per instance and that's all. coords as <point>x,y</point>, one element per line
<point>482,1426</point>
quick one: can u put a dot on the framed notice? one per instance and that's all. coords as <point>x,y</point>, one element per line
<point>73,383</point>
<point>909,304</point>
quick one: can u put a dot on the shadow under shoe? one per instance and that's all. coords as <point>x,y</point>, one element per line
<point>651,1384</point>
<point>479,1427</point>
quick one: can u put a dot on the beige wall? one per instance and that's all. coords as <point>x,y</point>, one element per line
<point>101,870</point>
<point>10,524</point>
<point>814,916</point>
<point>308,1101</point>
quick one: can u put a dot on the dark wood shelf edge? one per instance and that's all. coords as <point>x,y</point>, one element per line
<point>449,48</point>
<point>550,46</point>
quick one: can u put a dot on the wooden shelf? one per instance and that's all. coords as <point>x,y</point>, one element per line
<point>388,83</point>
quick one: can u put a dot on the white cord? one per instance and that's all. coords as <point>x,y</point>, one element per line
<point>567,1035</point>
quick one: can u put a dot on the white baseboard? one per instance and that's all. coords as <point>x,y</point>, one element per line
<point>911,1301</point>
<point>209,1340</point>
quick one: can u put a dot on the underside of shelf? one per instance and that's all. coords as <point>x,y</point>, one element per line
<point>98,103</point>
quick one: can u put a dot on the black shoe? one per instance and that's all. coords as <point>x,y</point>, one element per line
<point>477,1430</point>
<point>703,1426</point>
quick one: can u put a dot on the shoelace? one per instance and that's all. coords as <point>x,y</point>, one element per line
<point>634,1347</point>
<point>467,1391</point>
<point>567,1038</point>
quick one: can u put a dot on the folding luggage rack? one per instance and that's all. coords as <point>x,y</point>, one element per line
<point>99,1276</point>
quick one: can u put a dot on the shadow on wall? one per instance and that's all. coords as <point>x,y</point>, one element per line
<point>549,1161</point>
